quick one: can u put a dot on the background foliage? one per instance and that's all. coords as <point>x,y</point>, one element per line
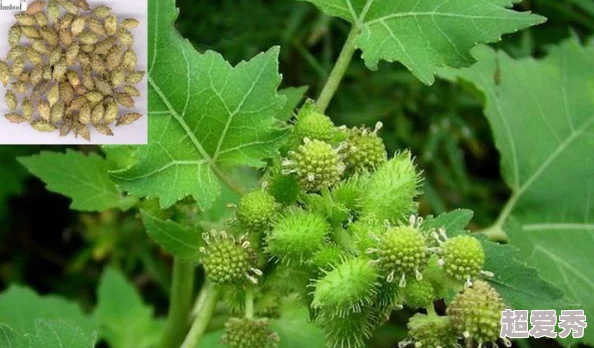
<point>52,249</point>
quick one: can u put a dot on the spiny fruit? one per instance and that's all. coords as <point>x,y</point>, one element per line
<point>228,261</point>
<point>365,150</point>
<point>476,313</point>
<point>399,252</point>
<point>297,236</point>
<point>391,190</point>
<point>347,288</point>
<point>430,331</point>
<point>311,124</point>
<point>364,233</point>
<point>351,331</point>
<point>249,333</point>
<point>463,257</point>
<point>419,294</point>
<point>256,210</point>
<point>317,165</point>
<point>327,258</point>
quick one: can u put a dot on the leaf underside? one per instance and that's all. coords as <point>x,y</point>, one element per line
<point>205,115</point>
<point>425,35</point>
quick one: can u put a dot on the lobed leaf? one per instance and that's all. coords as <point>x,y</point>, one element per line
<point>425,35</point>
<point>205,115</point>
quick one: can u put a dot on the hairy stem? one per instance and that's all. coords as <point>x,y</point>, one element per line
<point>210,294</point>
<point>249,303</point>
<point>495,232</point>
<point>179,304</point>
<point>228,181</point>
<point>340,68</point>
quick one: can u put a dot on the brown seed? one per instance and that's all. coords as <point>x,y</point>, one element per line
<point>35,7</point>
<point>89,38</point>
<point>14,117</point>
<point>131,91</point>
<point>18,66</point>
<point>44,110</point>
<point>57,112</point>
<point>4,73</point>
<point>60,69</point>
<point>20,87</point>
<point>30,32</point>
<point>126,38</point>
<point>66,37</point>
<point>84,115</point>
<point>15,52</point>
<point>70,7</point>
<point>40,47</point>
<point>11,100</point>
<point>80,90</point>
<point>103,86</point>
<point>128,119</point>
<point>124,100</point>
<point>96,26</point>
<point>53,10</point>
<point>130,23</point>
<point>66,128</point>
<point>135,77</point>
<point>27,107</point>
<point>97,114</point>
<point>39,90</point>
<point>87,78</point>
<point>84,60</point>
<point>66,92</point>
<point>102,11</point>
<point>83,131</point>
<point>34,57</point>
<point>41,19</point>
<point>103,129</point>
<point>88,49</point>
<point>118,76</point>
<point>82,4</point>
<point>77,103</point>
<point>111,25</point>
<point>114,59</point>
<point>50,36</point>
<point>47,72</point>
<point>78,25</point>
<point>25,19</point>
<point>130,60</point>
<point>103,47</point>
<point>43,126</point>
<point>36,75</point>
<point>94,97</point>
<point>98,64</point>
<point>73,78</point>
<point>55,56</point>
<point>66,22</point>
<point>53,95</point>
<point>72,53</point>
<point>14,35</point>
<point>111,111</point>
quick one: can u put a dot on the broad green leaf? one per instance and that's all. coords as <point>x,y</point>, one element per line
<point>294,97</point>
<point>124,320</point>
<point>83,178</point>
<point>182,241</point>
<point>429,34</point>
<point>519,284</point>
<point>48,333</point>
<point>120,156</point>
<point>21,308</point>
<point>541,113</point>
<point>205,115</point>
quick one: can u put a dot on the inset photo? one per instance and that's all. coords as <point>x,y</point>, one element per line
<point>73,72</point>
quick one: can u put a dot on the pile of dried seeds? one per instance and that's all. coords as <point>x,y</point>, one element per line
<point>83,68</point>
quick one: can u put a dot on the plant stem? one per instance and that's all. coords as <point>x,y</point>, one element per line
<point>210,294</point>
<point>179,304</point>
<point>340,68</point>
<point>495,232</point>
<point>249,303</point>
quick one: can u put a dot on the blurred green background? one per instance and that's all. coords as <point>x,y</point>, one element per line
<point>52,249</point>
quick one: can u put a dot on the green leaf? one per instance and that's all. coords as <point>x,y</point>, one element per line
<point>124,320</point>
<point>428,34</point>
<point>454,222</point>
<point>21,308</point>
<point>542,120</point>
<point>83,178</point>
<point>48,333</point>
<point>294,97</point>
<point>181,241</point>
<point>204,115</point>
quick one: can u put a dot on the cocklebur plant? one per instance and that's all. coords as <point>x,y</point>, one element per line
<point>330,225</point>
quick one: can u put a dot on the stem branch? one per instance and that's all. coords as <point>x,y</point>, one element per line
<point>249,303</point>
<point>210,294</point>
<point>180,303</point>
<point>340,68</point>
